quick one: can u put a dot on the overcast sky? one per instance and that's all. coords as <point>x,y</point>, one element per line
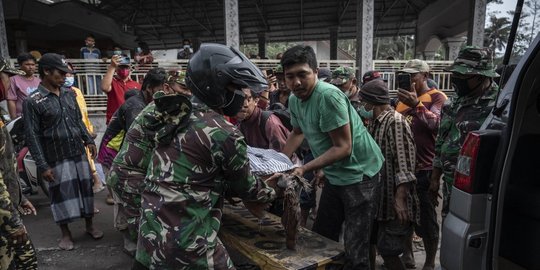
<point>507,5</point>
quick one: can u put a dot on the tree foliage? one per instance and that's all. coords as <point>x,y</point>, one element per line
<point>496,34</point>
<point>399,47</point>
<point>272,49</point>
<point>523,34</point>
<point>498,28</point>
<point>534,11</point>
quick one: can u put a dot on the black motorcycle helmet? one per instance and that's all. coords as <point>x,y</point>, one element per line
<point>215,66</point>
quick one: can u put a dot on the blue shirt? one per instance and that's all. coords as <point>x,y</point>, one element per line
<point>90,53</point>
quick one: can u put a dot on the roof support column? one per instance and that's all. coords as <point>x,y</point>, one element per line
<point>262,45</point>
<point>475,35</point>
<point>333,42</point>
<point>364,35</point>
<point>232,27</point>
<point>3,35</point>
<point>453,45</point>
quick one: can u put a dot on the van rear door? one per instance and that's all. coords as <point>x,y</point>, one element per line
<point>513,238</point>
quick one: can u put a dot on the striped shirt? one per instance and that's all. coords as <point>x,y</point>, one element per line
<point>54,127</point>
<point>268,161</point>
<point>393,135</point>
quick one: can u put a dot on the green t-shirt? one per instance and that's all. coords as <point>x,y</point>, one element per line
<point>327,109</point>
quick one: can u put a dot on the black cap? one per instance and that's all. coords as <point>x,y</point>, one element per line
<point>55,61</point>
<point>375,92</point>
<point>324,74</point>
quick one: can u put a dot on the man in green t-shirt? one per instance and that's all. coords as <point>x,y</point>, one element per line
<point>343,149</point>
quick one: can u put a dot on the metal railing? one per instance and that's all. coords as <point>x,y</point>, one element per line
<point>90,73</point>
<point>388,70</point>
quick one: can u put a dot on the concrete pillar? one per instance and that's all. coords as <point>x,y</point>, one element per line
<point>262,45</point>
<point>21,41</point>
<point>475,35</point>
<point>453,45</point>
<point>333,42</point>
<point>4,52</point>
<point>429,55</point>
<point>232,27</point>
<point>364,35</point>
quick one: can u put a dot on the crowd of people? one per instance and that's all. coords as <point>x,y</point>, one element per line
<point>176,146</point>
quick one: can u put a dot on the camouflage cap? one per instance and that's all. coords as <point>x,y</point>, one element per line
<point>177,76</point>
<point>7,68</point>
<point>474,61</point>
<point>341,75</point>
<point>415,66</point>
<point>278,69</point>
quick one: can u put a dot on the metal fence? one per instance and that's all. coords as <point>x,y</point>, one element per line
<point>388,70</point>
<point>90,72</point>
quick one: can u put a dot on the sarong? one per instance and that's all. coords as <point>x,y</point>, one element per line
<point>71,192</point>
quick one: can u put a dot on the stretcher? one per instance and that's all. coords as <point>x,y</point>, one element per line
<point>264,242</point>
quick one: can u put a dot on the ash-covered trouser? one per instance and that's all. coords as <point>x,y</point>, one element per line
<point>357,206</point>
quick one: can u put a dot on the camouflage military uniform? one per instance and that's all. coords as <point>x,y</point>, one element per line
<point>462,114</point>
<point>18,255</point>
<point>188,177</point>
<point>128,171</point>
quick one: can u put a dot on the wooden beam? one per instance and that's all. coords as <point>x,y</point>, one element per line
<point>343,11</point>
<point>384,15</point>
<point>261,14</point>
<point>210,25</point>
<point>302,20</point>
<point>412,5</point>
<point>192,17</point>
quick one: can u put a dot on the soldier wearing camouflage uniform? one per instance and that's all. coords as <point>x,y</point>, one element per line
<point>345,79</point>
<point>472,77</point>
<point>16,249</point>
<point>194,166</point>
<point>128,170</point>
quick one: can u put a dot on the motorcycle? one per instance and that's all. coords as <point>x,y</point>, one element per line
<point>29,177</point>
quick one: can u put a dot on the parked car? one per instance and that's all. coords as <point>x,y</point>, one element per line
<point>494,219</point>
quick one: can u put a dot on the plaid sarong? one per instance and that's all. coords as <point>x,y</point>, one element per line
<point>71,192</point>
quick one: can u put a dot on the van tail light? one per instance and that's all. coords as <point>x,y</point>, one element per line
<point>466,163</point>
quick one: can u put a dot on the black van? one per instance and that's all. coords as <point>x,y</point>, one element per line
<point>494,219</point>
